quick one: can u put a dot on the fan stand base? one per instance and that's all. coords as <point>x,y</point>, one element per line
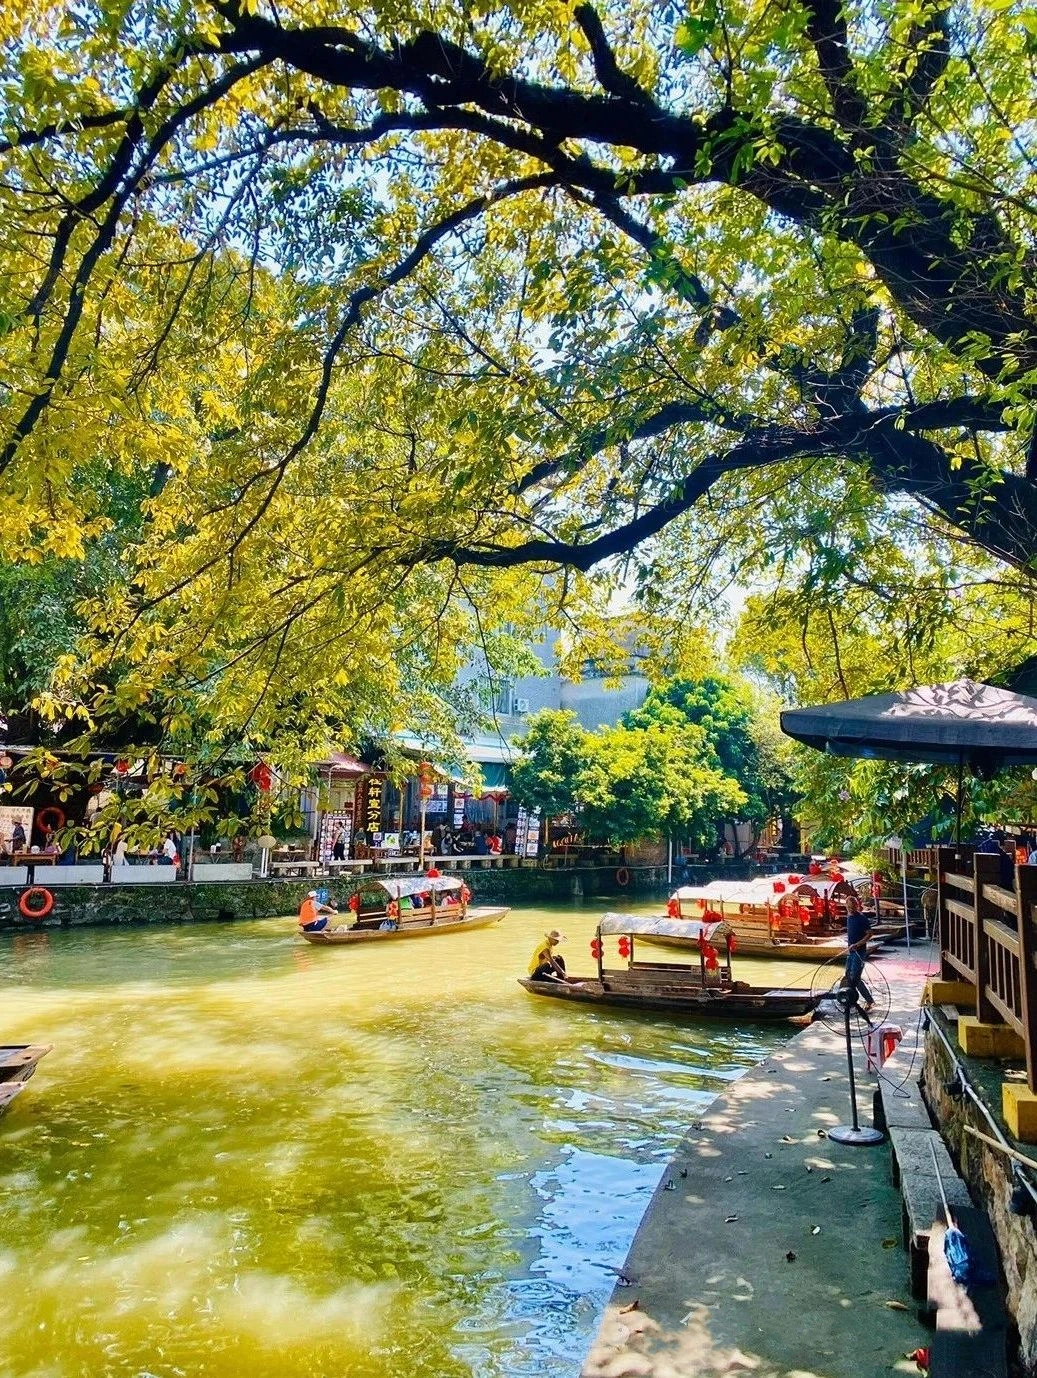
<point>864,1137</point>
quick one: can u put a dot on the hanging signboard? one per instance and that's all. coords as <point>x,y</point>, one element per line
<point>373,798</point>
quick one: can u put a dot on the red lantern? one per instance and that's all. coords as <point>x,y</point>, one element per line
<point>673,909</point>
<point>261,776</point>
<point>122,767</point>
<point>795,880</point>
<point>354,903</point>
<point>392,909</point>
<point>815,869</point>
<point>711,916</point>
<point>779,887</point>
<point>876,885</point>
<point>732,943</point>
<point>712,962</point>
<point>596,949</point>
<point>433,873</point>
<point>624,947</point>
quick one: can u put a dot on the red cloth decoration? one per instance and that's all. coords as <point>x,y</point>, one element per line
<point>466,894</point>
<point>673,909</point>
<point>711,916</point>
<point>732,943</point>
<point>354,903</point>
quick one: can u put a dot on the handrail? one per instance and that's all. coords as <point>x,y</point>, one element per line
<point>1004,899</point>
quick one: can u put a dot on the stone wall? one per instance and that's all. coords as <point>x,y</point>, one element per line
<point>261,899</point>
<point>989,1177</point>
<point>76,905</point>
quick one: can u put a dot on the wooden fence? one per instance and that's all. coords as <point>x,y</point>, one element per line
<point>988,937</point>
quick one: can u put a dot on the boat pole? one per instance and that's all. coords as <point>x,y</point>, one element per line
<point>903,881</point>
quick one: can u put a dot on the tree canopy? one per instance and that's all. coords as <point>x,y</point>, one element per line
<point>378,305</point>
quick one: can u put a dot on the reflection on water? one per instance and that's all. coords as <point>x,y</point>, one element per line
<point>249,1155</point>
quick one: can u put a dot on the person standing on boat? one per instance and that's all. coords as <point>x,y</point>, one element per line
<point>313,916</point>
<point>546,964</point>
<point>858,930</point>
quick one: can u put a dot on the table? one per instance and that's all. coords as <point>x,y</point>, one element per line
<point>300,866</point>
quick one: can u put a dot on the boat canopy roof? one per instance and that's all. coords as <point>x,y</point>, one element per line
<point>761,890</point>
<point>398,886</point>
<point>650,926</point>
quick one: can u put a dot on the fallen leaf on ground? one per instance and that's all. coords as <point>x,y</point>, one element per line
<point>825,1179</point>
<point>730,1219</point>
<point>816,1229</point>
<point>729,1179</point>
<point>896,1306</point>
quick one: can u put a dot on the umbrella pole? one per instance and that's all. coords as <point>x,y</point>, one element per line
<point>957,810</point>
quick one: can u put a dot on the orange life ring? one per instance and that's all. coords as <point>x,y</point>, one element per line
<point>43,818</point>
<point>622,876</point>
<point>26,909</point>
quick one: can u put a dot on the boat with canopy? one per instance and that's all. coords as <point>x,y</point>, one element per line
<point>388,907</point>
<point>704,988</point>
<point>18,1061</point>
<point>802,917</point>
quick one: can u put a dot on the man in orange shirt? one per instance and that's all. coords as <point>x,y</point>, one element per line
<point>313,914</point>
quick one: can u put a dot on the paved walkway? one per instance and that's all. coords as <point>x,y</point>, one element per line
<point>768,1249</point>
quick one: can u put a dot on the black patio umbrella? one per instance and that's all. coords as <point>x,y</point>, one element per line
<point>959,724</point>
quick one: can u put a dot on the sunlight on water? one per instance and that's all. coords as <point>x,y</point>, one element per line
<point>247,1155</point>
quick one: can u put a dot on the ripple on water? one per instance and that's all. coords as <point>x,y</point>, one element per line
<point>249,1155</point>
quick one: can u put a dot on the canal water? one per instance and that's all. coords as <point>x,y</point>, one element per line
<point>247,1155</point>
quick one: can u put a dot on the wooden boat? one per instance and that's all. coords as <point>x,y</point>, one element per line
<point>18,1061</point>
<point>705,990</point>
<point>802,918</point>
<point>388,907</point>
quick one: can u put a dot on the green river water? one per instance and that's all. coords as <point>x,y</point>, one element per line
<point>250,1156</point>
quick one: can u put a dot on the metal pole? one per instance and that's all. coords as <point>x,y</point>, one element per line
<point>421,831</point>
<point>957,811</point>
<point>903,877</point>
<point>855,1135</point>
<point>669,861</point>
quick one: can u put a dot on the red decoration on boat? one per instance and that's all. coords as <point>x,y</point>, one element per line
<point>779,887</point>
<point>814,869</point>
<point>596,949</point>
<point>392,909</point>
<point>433,873</point>
<point>466,894</point>
<point>712,961</point>
<point>354,903</point>
<point>624,947</point>
<point>673,909</point>
<point>711,916</point>
<point>795,880</point>
<point>732,943</point>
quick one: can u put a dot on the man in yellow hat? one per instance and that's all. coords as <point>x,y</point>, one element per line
<point>546,964</point>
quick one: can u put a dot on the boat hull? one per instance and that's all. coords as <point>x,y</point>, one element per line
<point>755,945</point>
<point>708,1004</point>
<point>482,917</point>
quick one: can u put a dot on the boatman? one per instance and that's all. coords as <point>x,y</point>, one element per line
<point>858,930</point>
<point>313,916</point>
<point>546,964</point>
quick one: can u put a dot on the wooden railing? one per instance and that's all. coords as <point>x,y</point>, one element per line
<point>988,937</point>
